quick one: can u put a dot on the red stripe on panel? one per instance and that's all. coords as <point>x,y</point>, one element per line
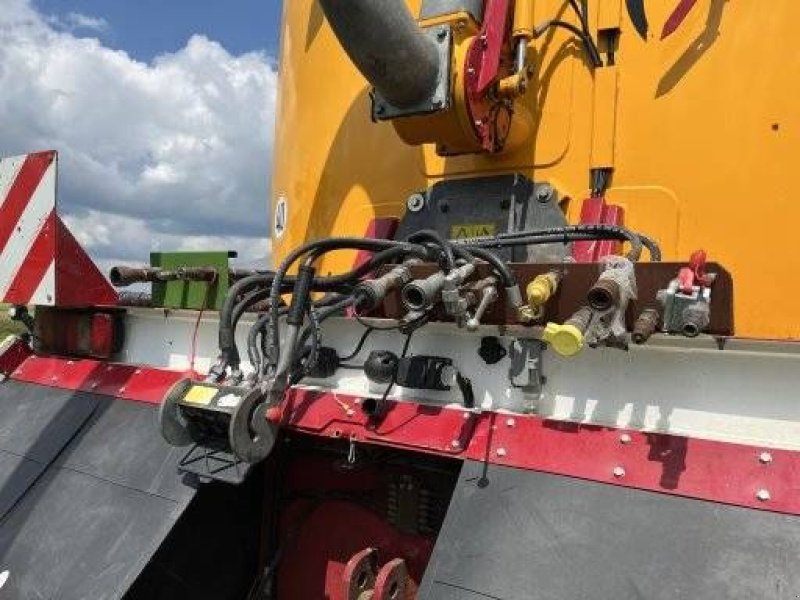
<point>34,268</point>
<point>21,192</point>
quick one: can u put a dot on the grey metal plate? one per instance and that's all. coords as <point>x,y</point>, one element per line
<point>96,492</point>
<point>521,535</point>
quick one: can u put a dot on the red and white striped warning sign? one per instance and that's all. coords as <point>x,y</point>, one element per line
<point>40,261</point>
<point>27,231</point>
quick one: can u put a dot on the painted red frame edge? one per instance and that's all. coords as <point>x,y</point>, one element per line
<point>722,472</point>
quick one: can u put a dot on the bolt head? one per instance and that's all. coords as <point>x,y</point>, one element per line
<point>625,438</point>
<point>441,34</point>
<point>455,444</point>
<point>763,495</point>
<point>765,458</point>
<point>415,203</point>
<point>544,193</point>
<point>501,452</point>
<point>510,422</point>
<point>618,472</point>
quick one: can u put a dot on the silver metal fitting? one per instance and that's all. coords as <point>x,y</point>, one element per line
<point>373,291</point>
<point>454,303</point>
<point>423,293</point>
<point>488,295</point>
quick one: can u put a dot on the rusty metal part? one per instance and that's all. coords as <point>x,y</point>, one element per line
<point>645,325</point>
<point>575,284</point>
<point>358,577</point>
<point>122,276</point>
<point>581,318</point>
<point>604,295</point>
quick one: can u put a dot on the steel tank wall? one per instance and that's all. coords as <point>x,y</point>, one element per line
<point>701,129</point>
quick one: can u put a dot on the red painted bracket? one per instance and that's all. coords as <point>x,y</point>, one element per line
<point>596,211</point>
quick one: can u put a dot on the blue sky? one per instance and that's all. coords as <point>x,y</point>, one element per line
<point>162,112</point>
<point>146,28</point>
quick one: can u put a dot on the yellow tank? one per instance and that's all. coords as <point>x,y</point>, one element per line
<point>701,129</point>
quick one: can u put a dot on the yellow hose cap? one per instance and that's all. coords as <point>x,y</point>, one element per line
<point>539,291</point>
<point>566,340</point>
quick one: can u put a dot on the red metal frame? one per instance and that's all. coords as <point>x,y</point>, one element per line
<point>127,382</point>
<point>728,473</point>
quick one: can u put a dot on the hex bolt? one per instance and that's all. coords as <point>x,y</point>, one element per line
<point>625,438</point>
<point>765,458</point>
<point>544,193</point>
<point>618,472</point>
<point>510,422</point>
<point>455,444</point>
<point>501,452</point>
<point>763,495</point>
<point>415,203</point>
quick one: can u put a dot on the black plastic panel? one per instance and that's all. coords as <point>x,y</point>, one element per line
<point>519,535</point>
<point>89,491</point>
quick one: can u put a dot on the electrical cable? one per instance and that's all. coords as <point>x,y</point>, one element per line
<point>588,43</point>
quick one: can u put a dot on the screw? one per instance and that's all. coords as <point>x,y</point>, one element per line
<point>137,372</point>
<point>441,34</point>
<point>466,414</point>
<point>618,472</point>
<point>625,438</point>
<point>544,193</point>
<point>501,452</point>
<point>763,495</point>
<point>415,202</point>
<point>94,385</point>
<point>455,444</point>
<point>122,390</point>
<point>765,458</point>
<point>54,378</point>
<point>510,422</point>
<point>350,412</point>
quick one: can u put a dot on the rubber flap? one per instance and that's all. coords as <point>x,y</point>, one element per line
<point>512,534</point>
<point>88,492</point>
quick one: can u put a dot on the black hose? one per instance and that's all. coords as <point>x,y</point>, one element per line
<point>500,267</point>
<point>436,238</point>
<point>568,234</point>
<point>232,311</point>
<point>320,247</point>
<point>588,43</point>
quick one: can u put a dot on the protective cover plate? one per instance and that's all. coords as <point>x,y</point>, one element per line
<point>512,534</point>
<point>88,491</point>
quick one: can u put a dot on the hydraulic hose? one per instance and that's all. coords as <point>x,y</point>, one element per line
<point>569,234</point>
<point>445,245</point>
<point>319,247</point>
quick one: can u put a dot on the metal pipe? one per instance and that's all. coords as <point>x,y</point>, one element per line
<point>385,43</point>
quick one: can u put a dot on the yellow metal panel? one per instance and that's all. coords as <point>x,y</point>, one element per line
<point>705,144</point>
<point>605,117</point>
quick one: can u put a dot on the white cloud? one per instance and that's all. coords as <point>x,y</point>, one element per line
<point>174,154</point>
<point>77,21</point>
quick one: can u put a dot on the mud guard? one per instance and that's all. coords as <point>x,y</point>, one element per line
<point>512,534</point>
<point>88,492</point>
